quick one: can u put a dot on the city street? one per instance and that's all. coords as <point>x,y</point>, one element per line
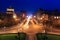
<point>30,26</point>
<point>30,19</point>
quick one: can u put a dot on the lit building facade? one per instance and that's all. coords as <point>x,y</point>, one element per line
<point>10,10</point>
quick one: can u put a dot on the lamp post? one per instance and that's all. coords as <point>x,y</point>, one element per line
<point>45,30</point>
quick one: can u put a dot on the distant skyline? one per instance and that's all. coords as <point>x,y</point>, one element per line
<point>29,5</point>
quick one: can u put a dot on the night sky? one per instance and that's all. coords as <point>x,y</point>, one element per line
<point>29,5</point>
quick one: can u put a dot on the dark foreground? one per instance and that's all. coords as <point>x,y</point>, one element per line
<point>24,36</point>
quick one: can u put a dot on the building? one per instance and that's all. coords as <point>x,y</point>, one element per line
<point>10,10</point>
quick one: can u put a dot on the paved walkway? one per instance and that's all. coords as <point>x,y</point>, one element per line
<point>31,37</point>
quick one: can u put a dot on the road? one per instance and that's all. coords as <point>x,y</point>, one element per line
<point>30,26</point>
<point>27,26</point>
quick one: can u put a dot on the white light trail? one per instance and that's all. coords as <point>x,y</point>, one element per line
<point>26,24</point>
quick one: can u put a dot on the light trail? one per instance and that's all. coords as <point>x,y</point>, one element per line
<point>22,23</point>
<point>20,26</point>
<point>26,26</point>
<point>35,21</point>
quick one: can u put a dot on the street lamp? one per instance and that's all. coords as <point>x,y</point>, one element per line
<point>41,18</point>
<point>45,29</point>
<point>26,16</point>
<point>34,16</point>
<point>57,17</point>
<point>14,16</point>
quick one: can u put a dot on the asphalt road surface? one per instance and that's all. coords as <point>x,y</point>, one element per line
<point>30,26</point>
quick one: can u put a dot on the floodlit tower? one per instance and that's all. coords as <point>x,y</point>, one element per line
<point>10,10</point>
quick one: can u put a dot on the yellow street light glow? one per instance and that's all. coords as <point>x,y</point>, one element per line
<point>55,17</point>
<point>34,16</point>
<point>14,16</point>
<point>41,18</point>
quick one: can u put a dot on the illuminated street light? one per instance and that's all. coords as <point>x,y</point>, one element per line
<point>55,17</point>
<point>41,18</point>
<point>34,16</point>
<point>14,16</point>
<point>27,16</point>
